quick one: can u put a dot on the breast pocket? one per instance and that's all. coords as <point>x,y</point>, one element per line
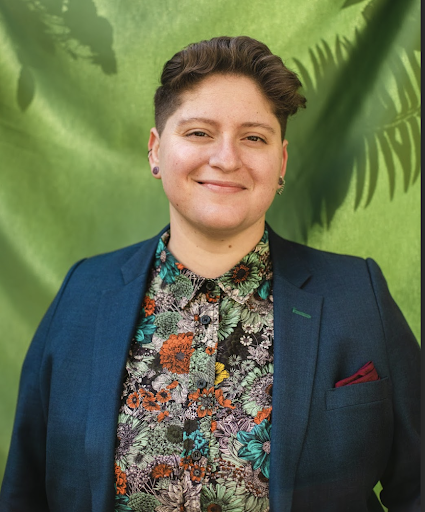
<point>356,394</point>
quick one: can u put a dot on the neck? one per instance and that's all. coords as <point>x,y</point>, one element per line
<point>211,254</point>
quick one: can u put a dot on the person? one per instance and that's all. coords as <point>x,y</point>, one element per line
<point>217,366</point>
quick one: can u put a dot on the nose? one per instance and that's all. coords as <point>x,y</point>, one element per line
<point>225,155</point>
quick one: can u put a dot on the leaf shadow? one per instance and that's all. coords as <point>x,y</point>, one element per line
<point>38,27</point>
<point>354,125</point>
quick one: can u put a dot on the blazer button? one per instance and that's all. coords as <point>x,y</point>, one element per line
<point>205,319</point>
<point>196,455</point>
<point>210,285</point>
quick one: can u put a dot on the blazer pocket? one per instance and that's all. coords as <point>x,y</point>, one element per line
<point>356,394</point>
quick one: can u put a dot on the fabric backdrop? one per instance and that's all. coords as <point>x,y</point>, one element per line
<point>77,79</point>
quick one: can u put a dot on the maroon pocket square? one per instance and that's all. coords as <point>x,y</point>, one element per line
<point>367,373</point>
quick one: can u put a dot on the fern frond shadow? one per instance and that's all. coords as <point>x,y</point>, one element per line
<point>362,118</point>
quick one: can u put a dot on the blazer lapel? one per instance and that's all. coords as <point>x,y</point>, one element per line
<point>117,314</point>
<point>297,317</point>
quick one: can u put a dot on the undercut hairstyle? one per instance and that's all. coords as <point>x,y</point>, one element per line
<point>228,55</point>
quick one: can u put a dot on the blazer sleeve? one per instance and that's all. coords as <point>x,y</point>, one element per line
<point>401,479</point>
<point>24,488</point>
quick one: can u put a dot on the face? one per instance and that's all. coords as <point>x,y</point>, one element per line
<point>220,157</point>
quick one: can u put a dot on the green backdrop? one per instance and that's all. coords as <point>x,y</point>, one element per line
<point>77,79</point>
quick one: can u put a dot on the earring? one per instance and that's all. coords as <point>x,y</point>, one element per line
<point>281,183</point>
<point>155,171</point>
<point>149,153</point>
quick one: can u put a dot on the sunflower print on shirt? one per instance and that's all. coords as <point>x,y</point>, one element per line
<point>194,423</point>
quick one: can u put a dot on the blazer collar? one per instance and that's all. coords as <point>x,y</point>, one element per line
<point>287,262</point>
<point>141,261</point>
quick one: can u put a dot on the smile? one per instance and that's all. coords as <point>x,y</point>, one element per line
<point>222,186</point>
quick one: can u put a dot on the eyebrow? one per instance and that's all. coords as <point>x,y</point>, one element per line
<point>259,125</point>
<point>214,123</point>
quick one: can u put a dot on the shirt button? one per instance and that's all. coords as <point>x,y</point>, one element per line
<point>210,285</point>
<point>196,455</point>
<point>201,384</point>
<point>205,319</point>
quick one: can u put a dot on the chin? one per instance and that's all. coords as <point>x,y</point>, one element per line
<point>226,224</point>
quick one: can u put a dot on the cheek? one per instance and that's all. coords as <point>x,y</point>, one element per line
<point>181,164</point>
<point>267,176</point>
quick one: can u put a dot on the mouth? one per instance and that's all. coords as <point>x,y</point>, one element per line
<point>229,187</point>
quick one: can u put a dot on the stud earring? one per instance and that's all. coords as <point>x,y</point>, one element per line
<point>155,171</point>
<point>281,183</point>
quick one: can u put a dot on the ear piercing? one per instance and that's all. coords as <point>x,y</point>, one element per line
<point>281,184</point>
<point>155,170</point>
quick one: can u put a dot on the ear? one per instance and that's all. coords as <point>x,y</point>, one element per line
<point>284,158</point>
<point>153,147</point>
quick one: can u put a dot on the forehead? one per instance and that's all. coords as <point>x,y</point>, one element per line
<point>226,93</point>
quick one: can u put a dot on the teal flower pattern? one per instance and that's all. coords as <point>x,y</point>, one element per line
<point>194,441</point>
<point>256,447</point>
<point>264,289</point>
<point>166,262</point>
<point>145,328</point>
<point>121,503</point>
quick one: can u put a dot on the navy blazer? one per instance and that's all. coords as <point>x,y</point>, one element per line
<point>329,446</point>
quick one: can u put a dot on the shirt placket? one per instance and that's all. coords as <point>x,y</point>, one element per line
<point>196,442</point>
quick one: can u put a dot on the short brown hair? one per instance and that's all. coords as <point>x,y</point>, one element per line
<point>228,55</point>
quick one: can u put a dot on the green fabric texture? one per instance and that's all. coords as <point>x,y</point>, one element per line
<point>77,78</point>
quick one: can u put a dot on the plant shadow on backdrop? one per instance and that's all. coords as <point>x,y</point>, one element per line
<point>38,29</point>
<point>346,132</point>
<point>37,26</point>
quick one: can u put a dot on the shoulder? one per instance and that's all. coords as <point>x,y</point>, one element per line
<point>322,267</point>
<point>111,269</point>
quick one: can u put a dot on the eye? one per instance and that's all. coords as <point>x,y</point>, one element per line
<point>197,133</point>
<point>256,138</point>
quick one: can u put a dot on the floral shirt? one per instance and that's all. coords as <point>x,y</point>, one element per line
<point>194,423</point>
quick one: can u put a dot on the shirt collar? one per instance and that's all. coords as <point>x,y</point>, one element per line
<point>253,273</point>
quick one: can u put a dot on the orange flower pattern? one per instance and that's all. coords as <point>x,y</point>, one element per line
<point>120,480</point>
<point>133,401</point>
<point>197,473</point>
<point>149,402</point>
<point>163,396</point>
<point>176,351</point>
<point>163,415</point>
<point>208,401</point>
<point>162,470</point>
<point>263,415</point>
<point>178,421</point>
<point>148,305</point>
